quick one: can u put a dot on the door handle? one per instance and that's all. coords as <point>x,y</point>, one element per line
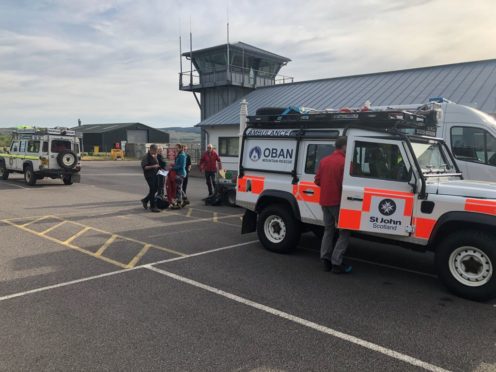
<point>310,192</point>
<point>354,199</point>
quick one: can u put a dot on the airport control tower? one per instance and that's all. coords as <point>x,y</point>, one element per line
<point>220,75</point>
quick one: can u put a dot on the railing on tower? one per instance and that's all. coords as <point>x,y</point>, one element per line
<point>234,75</point>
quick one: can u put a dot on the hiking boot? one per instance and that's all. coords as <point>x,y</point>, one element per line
<point>341,269</point>
<point>144,203</point>
<point>184,203</point>
<point>326,264</point>
<point>175,206</point>
<point>154,209</point>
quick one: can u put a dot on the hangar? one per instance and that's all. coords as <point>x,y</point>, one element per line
<point>106,135</point>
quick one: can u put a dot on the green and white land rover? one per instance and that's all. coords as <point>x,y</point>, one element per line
<point>43,152</point>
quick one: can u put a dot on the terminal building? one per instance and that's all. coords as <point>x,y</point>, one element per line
<point>223,75</point>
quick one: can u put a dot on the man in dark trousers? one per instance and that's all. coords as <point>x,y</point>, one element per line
<point>150,166</point>
<point>330,179</point>
<point>208,164</point>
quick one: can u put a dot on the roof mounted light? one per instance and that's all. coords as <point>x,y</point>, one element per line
<point>439,99</point>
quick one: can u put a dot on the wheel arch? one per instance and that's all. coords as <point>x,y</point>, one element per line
<point>268,197</point>
<point>27,163</point>
<point>452,221</point>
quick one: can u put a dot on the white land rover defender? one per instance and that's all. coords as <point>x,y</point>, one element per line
<point>401,186</point>
<point>39,153</point>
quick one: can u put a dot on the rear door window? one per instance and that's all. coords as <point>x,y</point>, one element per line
<point>315,152</point>
<point>34,146</point>
<point>60,146</point>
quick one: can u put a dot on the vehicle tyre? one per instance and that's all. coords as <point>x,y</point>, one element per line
<point>67,159</point>
<point>67,180</point>
<point>230,197</point>
<point>29,176</point>
<point>277,229</point>
<point>4,173</point>
<point>466,263</point>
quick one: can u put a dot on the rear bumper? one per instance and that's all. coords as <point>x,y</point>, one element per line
<point>57,173</point>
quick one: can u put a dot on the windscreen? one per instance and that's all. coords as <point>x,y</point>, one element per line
<point>432,158</point>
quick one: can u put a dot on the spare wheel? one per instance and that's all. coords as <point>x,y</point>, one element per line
<point>67,159</point>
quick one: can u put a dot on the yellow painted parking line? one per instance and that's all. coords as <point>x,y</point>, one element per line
<point>106,245</point>
<point>130,239</point>
<point>36,220</point>
<point>190,210</point>
<point>138,257</point>
<point>75,236</point>
<point>52,228</point>
<point>215,218</point>
<point>85,228</point>
<point>66,244</point>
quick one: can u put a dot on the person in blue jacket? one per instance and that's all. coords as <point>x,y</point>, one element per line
<point>180,168</point>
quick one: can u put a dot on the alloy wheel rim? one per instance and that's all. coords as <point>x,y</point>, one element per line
<point>470,266</point>
<point>275,229</point>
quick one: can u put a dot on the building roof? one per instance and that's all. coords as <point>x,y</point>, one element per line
<point>240,46</point>
<point>470,83</point>
<point>103,128</point>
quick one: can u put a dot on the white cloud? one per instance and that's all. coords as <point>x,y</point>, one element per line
<point>110,61</point>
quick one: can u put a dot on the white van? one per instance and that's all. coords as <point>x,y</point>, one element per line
<point>471,136</point>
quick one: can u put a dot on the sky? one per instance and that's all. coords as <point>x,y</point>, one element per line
<point>106,61</point>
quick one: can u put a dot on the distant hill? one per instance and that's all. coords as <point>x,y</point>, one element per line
<point>183,134</point>
<point>182,129</point>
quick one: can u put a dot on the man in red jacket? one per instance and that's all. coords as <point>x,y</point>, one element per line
<point>330,179</point>
<point>208,164</point>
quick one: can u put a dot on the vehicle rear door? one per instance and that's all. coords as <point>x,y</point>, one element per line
<point>306,192</point>
<point>376,194</point>
<point>56,146</point>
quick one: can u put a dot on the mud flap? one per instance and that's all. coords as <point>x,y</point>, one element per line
<point>249,222</point>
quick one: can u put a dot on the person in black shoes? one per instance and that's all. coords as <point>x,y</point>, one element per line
<point>150,166</point>
<point>161,179</point>
<point>330,179</point>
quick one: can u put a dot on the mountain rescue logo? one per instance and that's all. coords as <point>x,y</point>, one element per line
<point>387,207</point>
<point>255,153</point>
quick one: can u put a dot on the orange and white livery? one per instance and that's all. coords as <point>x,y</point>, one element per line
<point>398,187</point>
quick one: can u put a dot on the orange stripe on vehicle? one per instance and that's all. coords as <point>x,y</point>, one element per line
<point>349,219</point>
<point>300,188</point>
<point>481,206</point>
<point>388,192</point>
<point>253,184</point>
<point>407,196</point>
<point>242,184</point>
<point>423,227</point>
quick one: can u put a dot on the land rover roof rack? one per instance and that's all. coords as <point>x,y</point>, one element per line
<point>292,117</point>
<point>42,131</point>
